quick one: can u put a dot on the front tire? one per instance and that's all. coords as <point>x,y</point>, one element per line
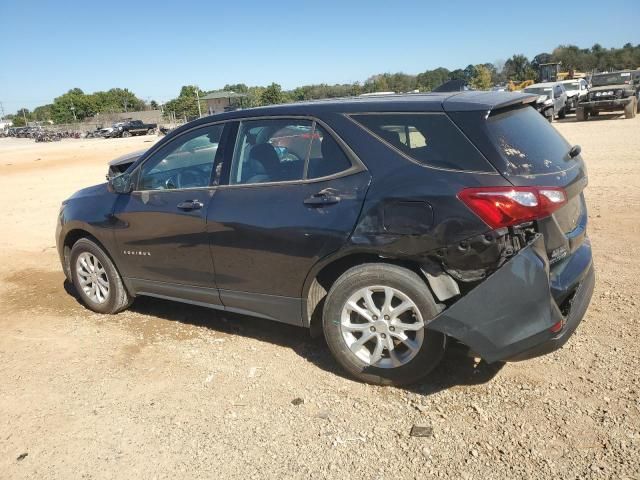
<point>630,109</point>
<point>126,134</point>
<point>374,322</point>
<point>96,279</point>
<point>581,114</point>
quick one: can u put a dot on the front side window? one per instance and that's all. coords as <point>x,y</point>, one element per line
<point>429,139</point>
<point>281,150</point>
<point>186,162</point>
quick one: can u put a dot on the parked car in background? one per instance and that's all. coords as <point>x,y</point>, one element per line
<point>129,128</point>
<point>612,92</point>
<point>551,101</point>
<point>396,225</point>
<point>577,90</point>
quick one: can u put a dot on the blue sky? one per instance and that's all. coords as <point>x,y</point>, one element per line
<point>155,47</point>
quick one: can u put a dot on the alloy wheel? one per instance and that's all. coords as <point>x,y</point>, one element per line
<point>92,277</point>
<point>382,326</point>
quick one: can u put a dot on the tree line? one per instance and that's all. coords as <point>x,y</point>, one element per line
<point>75,105</point>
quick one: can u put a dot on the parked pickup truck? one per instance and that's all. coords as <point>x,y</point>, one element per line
<point>129,128</point>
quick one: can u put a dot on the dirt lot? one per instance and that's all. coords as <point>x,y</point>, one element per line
<point>167,390</point>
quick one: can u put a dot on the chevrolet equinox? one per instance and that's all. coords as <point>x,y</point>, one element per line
<point>394,224</point>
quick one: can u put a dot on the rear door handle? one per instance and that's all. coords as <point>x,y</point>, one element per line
<point>321,198</point>
<point>190,205</point>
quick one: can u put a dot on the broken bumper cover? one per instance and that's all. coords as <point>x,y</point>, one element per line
<point>509,316</point>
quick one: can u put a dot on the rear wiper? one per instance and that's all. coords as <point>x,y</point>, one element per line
<point>574,151</point>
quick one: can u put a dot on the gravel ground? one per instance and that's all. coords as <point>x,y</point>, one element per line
<point>167,390</point>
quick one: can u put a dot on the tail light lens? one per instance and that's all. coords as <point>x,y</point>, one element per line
<point>507,206</point>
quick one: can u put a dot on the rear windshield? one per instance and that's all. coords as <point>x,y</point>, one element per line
<point>430,139</point>
<point>527,143</point>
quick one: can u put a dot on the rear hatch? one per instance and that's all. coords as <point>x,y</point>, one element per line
<point>528,152</point>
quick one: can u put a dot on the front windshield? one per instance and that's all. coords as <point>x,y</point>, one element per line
<point>538,90</point>
<point>611,78</point>
<point>571,86</point>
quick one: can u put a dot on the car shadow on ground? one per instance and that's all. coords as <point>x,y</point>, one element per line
<point>456,368</point>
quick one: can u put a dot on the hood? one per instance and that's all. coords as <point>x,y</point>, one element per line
<point>127,158</point>
<point>92,191</point>
<point>617,86</point>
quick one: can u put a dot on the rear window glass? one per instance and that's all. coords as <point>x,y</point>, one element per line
<point>430,139</point>
<point>527,143</point>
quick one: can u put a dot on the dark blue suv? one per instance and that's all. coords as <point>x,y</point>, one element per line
<point>394,224</point>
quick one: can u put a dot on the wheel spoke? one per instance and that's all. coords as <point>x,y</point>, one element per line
<point>355,327</point>
<point>410,327</point>
<point>368,300</point>
<point>355,346</point>
<point>400,309</point>
<point>376,355</point>
<point>388,297</point>
<point>103,282</point>
<point>360,311</point>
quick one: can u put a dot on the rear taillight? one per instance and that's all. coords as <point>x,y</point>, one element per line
<point>507,206</point>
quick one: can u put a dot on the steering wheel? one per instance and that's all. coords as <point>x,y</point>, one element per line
<point>190,177</point>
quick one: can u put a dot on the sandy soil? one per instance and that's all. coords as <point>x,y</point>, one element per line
<point>167,390</point>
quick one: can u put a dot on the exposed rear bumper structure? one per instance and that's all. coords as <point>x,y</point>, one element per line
<point>510,315</point>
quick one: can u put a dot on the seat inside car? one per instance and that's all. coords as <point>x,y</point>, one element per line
<point>263,164</point>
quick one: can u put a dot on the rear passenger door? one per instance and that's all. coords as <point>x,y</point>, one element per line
<point>293,194</point>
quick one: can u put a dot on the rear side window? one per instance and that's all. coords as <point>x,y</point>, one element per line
<point>326,157</point>
<point>527,143</point>
<point>430,139</point>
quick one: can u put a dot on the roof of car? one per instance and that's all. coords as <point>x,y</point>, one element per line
<point>414,102</point>
<point>543,84</point>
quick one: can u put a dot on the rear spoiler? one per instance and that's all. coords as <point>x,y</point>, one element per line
<point>486,101</point>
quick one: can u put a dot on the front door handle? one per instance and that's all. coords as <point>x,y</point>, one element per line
<point>324,197</point>
<point>190,205</point>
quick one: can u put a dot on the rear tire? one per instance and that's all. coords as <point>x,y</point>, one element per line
<point>399,350</point>
<point>581,114</point>
<point>96,279</point>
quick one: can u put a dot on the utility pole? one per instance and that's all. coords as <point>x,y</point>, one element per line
<point>24,115</point>
<point>198,98</point>
<point>73,110</point>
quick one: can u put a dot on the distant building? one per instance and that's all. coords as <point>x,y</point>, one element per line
<point>222,101</point>
<point>5,124</point>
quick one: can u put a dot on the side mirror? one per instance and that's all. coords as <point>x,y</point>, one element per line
<point>121,184</point>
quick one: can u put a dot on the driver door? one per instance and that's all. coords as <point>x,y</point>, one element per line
<point>163,246</point>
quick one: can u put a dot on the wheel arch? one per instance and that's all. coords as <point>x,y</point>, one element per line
<point>326,272</point>
<point>71,238</point>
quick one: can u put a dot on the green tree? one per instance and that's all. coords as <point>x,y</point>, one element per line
<point>186,105</point>
<point>481,79</point>
<point>272,95</point>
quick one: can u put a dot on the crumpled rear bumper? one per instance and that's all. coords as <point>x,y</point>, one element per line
<point>509,316</point>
